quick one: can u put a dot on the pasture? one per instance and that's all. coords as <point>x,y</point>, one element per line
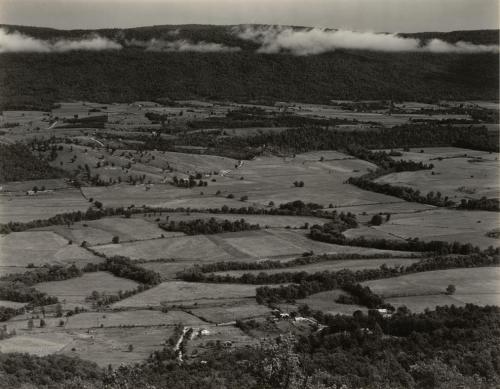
<point>188,293</point>
<point>231,312</point>
<point>457,173</point>
<point>427,290</point>
<point>325,301</point>
<point>19,249</point>
<point>24,208</point>
<point>117,346</point>
<point>74,291</point>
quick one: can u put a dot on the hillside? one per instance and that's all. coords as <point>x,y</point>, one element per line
<point>39,79</point>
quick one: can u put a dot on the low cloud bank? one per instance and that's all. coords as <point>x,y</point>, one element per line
<point>182,45</point>
<point>274,40</point>
<point>16,42</point>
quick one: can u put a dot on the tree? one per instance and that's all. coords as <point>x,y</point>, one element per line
<point>377,220</point>
<point>116,239</point>
<point>59,312</point>
<point>450,289</point>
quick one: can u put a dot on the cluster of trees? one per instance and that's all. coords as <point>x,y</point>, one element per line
<point>125,268</point>
<point>250,117</point>
<point>295,208</point>
<point>483,204</point>
<point>208,226</point>
<point>18,163</point>
<point>327,233</point>
<point>7,312</point>
<point>44,274</point>
<point>188,183</point>
<point>104,299</point>
<point>305,259</point>
<point>360,295</point>
<point>403,192</point>
<point>17,291</point>
<point>449,347</point>
<point>385,161</point>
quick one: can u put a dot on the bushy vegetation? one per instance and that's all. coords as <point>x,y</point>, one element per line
<point>18,163</point>
<point>208,226</point>
<point>45,273</point>
<point>126,268</point>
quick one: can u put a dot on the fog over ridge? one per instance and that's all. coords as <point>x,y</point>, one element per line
<point>277,39</point>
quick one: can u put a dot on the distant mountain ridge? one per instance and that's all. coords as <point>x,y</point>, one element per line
<point>40,79</point>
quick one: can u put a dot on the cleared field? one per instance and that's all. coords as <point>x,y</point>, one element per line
<point>351,264</point>
<point>11,304</point>
<point>229,313</point>
<point>38,344</point>
<point>482,280</point>
<point>73,292</point>
<point>325,301</point>
<point>181,293</point>
<point>159,195</point>
<point>184,247</point>
<point>139,318</point>
<point>24,186</point>
<point>444,224</point>
<point>19,249</point>
<point>106,346</point>
<point>102,231</point>
<point>457,173</point>
<point>40,206</point>
<point>427,290</point>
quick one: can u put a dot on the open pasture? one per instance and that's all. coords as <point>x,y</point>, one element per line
<point>468,175</point>
<point>188,293</point>
<point>37,343</point>
<point>444,224</point>
<point>24,208</point>
<point>325,301</point>
<point>427,290</point>
<point>19,249</point>
<point>197,247</point>
<point>231,312</point>
<point>117,346</point>
<point>73,292</point>
<point>136,318</point>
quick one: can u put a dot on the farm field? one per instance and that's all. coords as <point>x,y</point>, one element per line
<point>74,291</point>
<point>135,318</point>
<point>443,224</point>
<point>188,293</point>
<point>106,346</point>
<point>457,173</point>
<point>24,208</point>
<point>131,160</point>
<point>20,249</point>
<point>229,313</point>
<point>426,290</point>
<point>325,301</point>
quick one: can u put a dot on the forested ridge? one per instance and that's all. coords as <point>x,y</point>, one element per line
<point>38,80</point>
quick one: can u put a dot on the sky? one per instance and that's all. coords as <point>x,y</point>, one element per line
<point>359,15</point>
